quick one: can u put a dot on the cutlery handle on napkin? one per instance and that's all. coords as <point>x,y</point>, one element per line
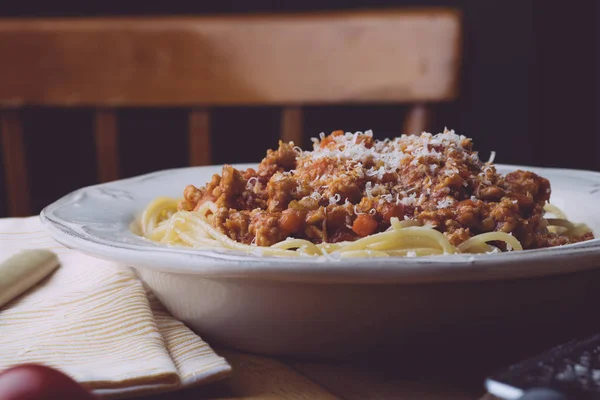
<point>23,271</point>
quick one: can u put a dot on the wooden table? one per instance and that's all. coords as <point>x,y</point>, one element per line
<point>263,378</point>
<point>455,376</point>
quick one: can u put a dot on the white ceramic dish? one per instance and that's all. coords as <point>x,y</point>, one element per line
<point>331,307</point>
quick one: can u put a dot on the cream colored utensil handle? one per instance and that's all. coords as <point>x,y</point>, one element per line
<point>23,271</point>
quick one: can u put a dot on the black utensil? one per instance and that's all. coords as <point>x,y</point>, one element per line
<point>570,371</point>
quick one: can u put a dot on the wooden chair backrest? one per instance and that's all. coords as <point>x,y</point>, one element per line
<point>392,56</point>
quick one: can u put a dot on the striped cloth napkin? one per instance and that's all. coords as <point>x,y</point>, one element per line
<point>96,322</point>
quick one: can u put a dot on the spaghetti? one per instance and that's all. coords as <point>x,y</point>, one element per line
<point>356,197</point>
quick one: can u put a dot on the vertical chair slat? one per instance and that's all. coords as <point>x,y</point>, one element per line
<point>199,137</point>
<point>106,134</point>
<point>13,152</point>
<point>418,119</point>
<point>292,125</point>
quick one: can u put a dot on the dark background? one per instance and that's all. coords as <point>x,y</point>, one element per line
<point>529,91</point>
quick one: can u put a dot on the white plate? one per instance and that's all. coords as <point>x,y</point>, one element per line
<point>268,296</point>
<point>97,220</point>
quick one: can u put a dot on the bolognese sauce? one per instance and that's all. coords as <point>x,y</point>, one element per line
<point>350,186</point>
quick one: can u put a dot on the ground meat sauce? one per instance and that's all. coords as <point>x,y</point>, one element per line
<point>350,186</point>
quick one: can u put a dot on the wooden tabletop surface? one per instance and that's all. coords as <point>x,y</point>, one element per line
<point>263,378</point>
<point>437,375</point>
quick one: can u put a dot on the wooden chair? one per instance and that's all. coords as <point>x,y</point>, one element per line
<point>394,56</point>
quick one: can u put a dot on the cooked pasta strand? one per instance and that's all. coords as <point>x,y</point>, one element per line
<point>161,222</point>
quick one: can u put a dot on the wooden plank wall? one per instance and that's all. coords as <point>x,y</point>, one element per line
<point>521,90</point>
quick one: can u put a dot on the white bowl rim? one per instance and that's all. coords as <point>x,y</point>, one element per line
<point>211,264</point>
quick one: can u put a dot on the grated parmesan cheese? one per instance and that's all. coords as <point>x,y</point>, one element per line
<point>368,189</point>
<point>445,203</point>
<point>386,198</point>
<point>251,183</point>
<point>410,200</point>
<point>355,157</point>
<point>333,200</point>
